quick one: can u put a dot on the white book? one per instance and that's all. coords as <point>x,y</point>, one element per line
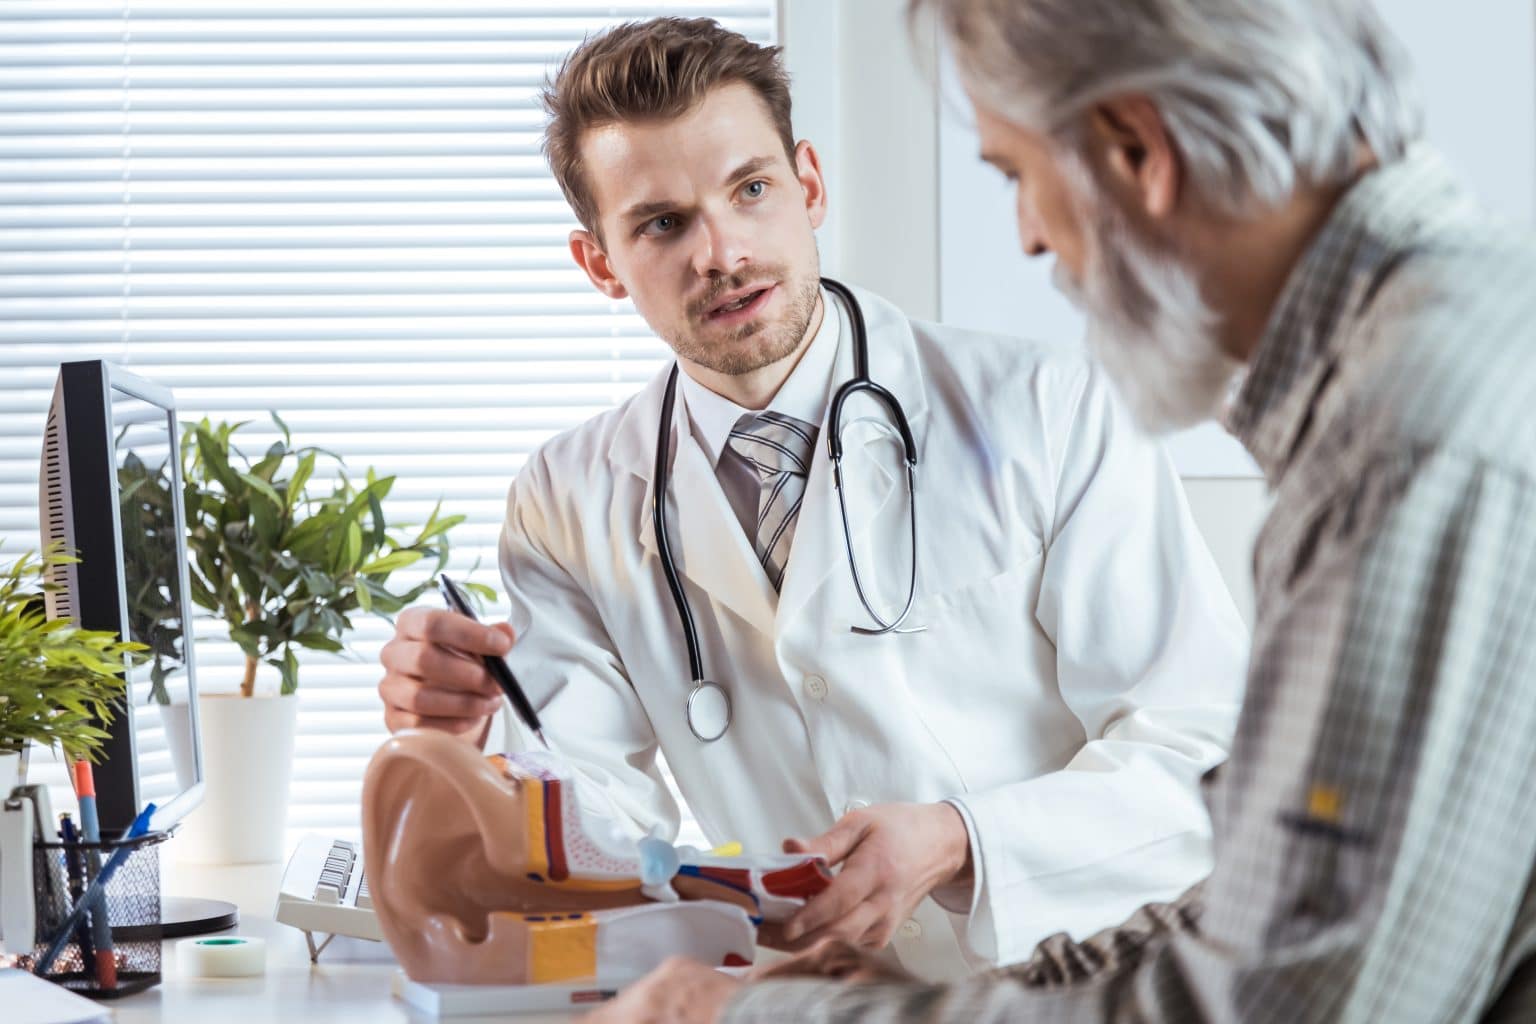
<point>473,1000</point>
<point>29,999</point>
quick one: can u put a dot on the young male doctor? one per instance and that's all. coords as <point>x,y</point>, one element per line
<point>1027,763</point>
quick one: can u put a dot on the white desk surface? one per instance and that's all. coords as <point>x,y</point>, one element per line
<point>339,989</point>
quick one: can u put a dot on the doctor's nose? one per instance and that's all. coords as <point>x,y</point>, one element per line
<point>720,250</point>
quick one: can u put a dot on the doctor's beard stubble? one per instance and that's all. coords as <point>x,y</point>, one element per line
<point>731,354</point>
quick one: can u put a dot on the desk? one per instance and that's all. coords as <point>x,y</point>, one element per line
<point>348,985</point>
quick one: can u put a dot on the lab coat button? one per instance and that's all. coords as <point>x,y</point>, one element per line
<point>910,929</point>
<point>816,688</point>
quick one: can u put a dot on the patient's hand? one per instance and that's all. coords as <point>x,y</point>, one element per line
<point>833,958</point>
<point>892,855</point>
<point>680,991</point>
<point>433,676</point>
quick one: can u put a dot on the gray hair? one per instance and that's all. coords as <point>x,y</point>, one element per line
<point>1258,95</point>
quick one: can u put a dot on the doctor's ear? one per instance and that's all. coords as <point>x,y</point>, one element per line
<point>1130,144</point>
<point>589,256</point>
<point>808,172</point>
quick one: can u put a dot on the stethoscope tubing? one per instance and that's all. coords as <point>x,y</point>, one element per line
<point>860,383</point>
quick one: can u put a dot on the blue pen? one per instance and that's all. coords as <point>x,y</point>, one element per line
<point>138,828</point>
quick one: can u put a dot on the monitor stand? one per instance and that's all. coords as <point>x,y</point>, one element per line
<point>193,915</point>
<point>181,916</point>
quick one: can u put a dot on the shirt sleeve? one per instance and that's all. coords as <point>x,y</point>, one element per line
<point>1150,655</point>
<point>1375,823</point>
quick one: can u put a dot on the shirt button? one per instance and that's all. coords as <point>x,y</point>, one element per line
<point>816,688</point>
<point>855,805</point>
<point>910,929</point>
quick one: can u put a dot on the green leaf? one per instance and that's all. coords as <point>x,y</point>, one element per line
<point>319,642</point>
<point>320,584</point>
<point>264,489</point>
<point>435,527</point>
<point>267,523</point>
<point>214,455</point>
<point>351,549</point>
<point>480,590</point>
<point>301,474</point>
<point>248,640</point>
<point>288,667</point>
<point>364,597</point>
<point>384,603</point>
<point>390,562</point>
<point>376,514</point>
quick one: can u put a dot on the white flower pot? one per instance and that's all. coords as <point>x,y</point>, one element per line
<point>247,768</point>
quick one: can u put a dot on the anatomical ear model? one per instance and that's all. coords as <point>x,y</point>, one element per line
<point>511,870</point>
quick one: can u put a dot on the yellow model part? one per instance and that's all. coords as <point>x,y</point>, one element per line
<point>562,950</point>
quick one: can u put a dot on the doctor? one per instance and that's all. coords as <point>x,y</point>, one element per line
<point>1026,759</point>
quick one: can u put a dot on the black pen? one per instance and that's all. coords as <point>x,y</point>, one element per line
<point>496,666</point>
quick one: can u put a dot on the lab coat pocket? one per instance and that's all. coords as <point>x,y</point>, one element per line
<point>990,590</point>
<point>985,678</point>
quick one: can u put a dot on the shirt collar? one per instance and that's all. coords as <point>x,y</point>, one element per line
<point>804,395</point>
<point>1358,245</point>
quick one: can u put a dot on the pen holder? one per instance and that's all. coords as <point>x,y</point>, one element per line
<point>132,899</point>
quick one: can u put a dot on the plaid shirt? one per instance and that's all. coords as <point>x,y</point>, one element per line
<point>1375,828</point>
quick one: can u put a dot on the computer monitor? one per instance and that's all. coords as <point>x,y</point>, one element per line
<point>111,491</point>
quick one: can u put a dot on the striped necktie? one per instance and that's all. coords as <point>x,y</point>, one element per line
<point>779,448</point>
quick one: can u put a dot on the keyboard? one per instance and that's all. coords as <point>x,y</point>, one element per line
<point>324,893</point>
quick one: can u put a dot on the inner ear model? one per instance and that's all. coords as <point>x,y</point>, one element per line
<point>511,870</point>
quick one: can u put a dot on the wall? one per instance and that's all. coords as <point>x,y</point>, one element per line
<point>861,100</point>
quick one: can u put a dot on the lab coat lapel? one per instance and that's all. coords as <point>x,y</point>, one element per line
<point>871,471</point>
<point>708,544</point>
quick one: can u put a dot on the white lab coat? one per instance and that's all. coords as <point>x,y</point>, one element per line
<point>1081,669</point>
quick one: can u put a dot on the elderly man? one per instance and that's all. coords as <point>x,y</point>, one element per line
<point>1236,185</point>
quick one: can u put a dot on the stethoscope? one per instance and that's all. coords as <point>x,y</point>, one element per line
<point>709,705</point>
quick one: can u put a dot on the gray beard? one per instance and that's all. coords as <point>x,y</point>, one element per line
<point>1148,324</point>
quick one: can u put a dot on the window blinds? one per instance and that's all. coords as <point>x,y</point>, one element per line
<point>337,210</point>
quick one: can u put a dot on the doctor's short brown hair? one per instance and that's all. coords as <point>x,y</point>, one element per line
<point>651,71</point>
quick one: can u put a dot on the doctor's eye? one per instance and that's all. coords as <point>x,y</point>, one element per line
<point>754,189</point>
<point>665,224</point>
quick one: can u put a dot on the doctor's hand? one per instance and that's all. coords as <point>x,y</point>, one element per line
<point>680,991</point>
<point>892,855</point>
<point>433,676</point>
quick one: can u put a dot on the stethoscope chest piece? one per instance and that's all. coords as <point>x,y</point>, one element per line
<point>709,711</point>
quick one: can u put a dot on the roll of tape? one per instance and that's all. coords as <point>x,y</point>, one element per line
<point>228,956</point>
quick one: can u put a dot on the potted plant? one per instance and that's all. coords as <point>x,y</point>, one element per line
<point>56,681</point>
<point>285,564</point>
